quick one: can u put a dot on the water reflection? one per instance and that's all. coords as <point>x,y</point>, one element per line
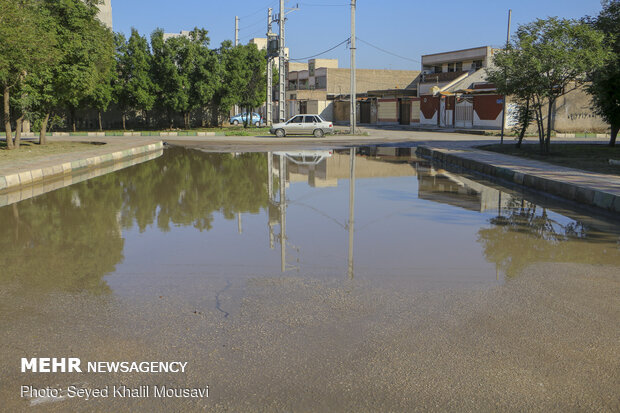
<point>403,217</point>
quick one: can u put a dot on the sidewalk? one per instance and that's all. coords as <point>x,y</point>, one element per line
<point>14,174</point>
<point>590,188</point>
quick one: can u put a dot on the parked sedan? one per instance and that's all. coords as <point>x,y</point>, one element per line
<point>303,125</point>
<point>240,118</point>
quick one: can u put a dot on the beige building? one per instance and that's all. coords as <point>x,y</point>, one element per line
<point>105,13</point>
<point>314,86</point>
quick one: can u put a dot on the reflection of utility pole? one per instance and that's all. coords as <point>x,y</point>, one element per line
<point>351,210</point>
<point>283,212</point>
<point>239,228</point>
<point>270,192</point>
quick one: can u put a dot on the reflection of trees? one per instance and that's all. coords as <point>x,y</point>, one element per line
<point>527,235</point>
<point>70,238</point>
<point>185,187</point>
<point>65,240</point>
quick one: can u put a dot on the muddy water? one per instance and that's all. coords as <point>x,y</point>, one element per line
<point>311,281</point>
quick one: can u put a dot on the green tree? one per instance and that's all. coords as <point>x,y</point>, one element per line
<point>170,74</point>
<point>133,86</point>
<point>86,48</point>
<point>547,59</point>
<point>203,74</point>
<point>605,86</point>
<point>253,92</point>
<point>231,80</point>
<point>24,49</point>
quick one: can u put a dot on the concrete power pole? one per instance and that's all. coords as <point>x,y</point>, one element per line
<point>282,91</point>
<point>353,117</point>
<point>236,30</point>
<point>504,110</point>
<point>269,113</point>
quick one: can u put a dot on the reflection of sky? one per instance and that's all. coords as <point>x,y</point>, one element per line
<point>396,235</point>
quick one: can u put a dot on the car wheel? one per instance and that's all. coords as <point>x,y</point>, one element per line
<point>235,122</point>
<point>318,133</point>
<point>280,133</point>
<point>257,124</point>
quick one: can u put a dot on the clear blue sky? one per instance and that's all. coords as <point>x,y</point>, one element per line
<point>405,27</point>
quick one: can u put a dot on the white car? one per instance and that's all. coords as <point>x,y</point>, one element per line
<point>303,125</point>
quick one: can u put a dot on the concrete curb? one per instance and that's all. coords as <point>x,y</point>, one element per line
<point>36,175</point>
<point>572,192</point>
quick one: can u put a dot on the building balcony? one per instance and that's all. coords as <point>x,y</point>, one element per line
<point>441,77</point>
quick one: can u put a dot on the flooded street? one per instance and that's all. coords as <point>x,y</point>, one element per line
<point>311,280</point>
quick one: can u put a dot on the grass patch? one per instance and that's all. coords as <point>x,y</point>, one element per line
<point>31,150</point>
<point>241,131</point>
<point>588,157</point>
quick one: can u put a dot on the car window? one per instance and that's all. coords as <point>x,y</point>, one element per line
<point>309,119</point>
<point>318,119</point>
<point>296,119</point>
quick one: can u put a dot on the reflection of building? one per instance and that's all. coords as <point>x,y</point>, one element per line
<point>447,188</point>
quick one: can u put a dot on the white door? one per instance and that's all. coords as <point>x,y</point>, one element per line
<point>464,116</point>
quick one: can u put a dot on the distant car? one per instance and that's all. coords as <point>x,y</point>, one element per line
<point>240,118</point>
<point>303,125</point>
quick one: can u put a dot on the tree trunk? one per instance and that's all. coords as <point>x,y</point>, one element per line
<point>123,116</point>
<point>100,124</point>
<point>614,135</point>
<point>18,131</point>
<point>526,122</point>
<point>548,138</point>
<point>43,131</point>
<point>186,120</point>
<point>73,119</point>
<point>7,119</point>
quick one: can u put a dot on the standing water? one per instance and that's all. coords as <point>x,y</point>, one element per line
<point>311,280</point>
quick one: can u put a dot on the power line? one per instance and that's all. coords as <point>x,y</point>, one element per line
<point>262,9</point>
<point>326,51</point>
<point>387,51</point>
<point>323,5</point>
<point>252,24</point>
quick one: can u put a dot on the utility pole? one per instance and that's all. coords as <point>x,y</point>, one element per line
<point>353,116</point>
<point>282,90</point>
<point>269,113</point>
<point>501,141</point>
<point>236,30</point>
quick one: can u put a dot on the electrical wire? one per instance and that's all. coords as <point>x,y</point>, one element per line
<point>387,51</point>
<point>323,5</point>
<point>322,53</point>
<point>271,3</point>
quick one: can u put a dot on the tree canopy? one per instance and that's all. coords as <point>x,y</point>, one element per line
<point>547,59</point>
<point>605,81</point>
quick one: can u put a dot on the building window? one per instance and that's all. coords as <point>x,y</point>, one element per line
<point>436,69</point>
<point>320,82</point>
<point>477,64</point>
<point>450,67</point>
<point>459,66</point>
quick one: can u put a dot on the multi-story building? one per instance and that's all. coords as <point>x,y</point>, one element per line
<point>319,85</point>
<point>454,91</point>
<point>105,13</point>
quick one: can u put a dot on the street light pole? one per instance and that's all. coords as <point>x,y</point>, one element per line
<point>236,30</point>
<point>269,113</point>
<point>282,91</point>
<point>353,114</point>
